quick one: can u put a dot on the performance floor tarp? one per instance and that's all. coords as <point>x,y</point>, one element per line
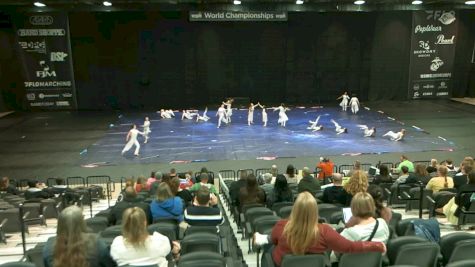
<point>175,140</point>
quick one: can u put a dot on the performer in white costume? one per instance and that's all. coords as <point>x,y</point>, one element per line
<point>187,114</point>
<point>368,132</point>
<point>355,105</point>
<point>282,115</point>
<point>132,140</point>
<point>166,114</point>
<point>221,115</point>
<point>250,113</point>
<point>338,128</point>
<point>204,117</point>
<point>229,109</point>
<point>396,136</point>
<point>314,125</point>
<point>146,129</point>
<point>264,115</point>
<point>344,101</point>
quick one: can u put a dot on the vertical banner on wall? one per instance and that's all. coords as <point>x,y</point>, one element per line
<point>45,51</point>
<point>432,54</point>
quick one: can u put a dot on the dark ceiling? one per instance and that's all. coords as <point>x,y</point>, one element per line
<point>281,5</point>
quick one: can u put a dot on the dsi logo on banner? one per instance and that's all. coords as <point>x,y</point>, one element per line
<point>442,86</point>
<point>427,28</point>
<point>41,20</point>
<point>31,96</point>
<point>445,17</point>
<point>436,64</point>
<point>441,40</point>
<point>58,56</point>
<point>45,72</point>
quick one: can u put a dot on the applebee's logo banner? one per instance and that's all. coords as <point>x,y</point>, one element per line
<point>432,53</point>
<point>44,50</point>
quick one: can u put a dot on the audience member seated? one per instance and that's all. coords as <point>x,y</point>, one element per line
<point>308,183</point>
<point>450,165</point>
<point>326,168</point>
<point>383,176</point>
<point>154,185</point>
<point>8,188</point>
<point>173,173</point>
<point>166,206</point>
<point>335,194</point>
<point>404,178</point>
<point>35,191</point>
<point>302,234</point>
<point>290,175</point>
<point>433,166</point>
<point>405,163</point>
<point>356,167</point>
<point>461,178</point>
<point>281,192</point>
<point>129,200</point>
<point>153,178</point>
<point>421,174</point>
<point>204,177</point>
<point>268,187</point>
<point>136,247</point>
<point>141,184</point>
<point>182,193</point>
<point>59,187</point>
<point>73,245</point>
<point>274,171</point>
<point>453,208</point>
<point>235,188</point>
<point>380,210</point>
<point>366,227</point>
<point>440,182</point>
<point>251,193</point>
<point>201,213</point>
<point>358,183</point>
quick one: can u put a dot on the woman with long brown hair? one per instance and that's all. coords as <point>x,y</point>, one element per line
<point>441,181</point>
<point>135,246</point>
<point>302,234</point>
<point>73,246</point>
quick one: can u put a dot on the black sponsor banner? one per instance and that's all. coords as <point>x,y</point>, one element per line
<point>45,51</point>
<point>237,16</point>
<point>432,53</point>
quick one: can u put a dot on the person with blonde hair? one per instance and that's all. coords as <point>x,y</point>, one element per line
<point>441,181</point>
<point>73,246</point>
<point>135,246</point>
<point>302,234</point>
<point>358,183</point>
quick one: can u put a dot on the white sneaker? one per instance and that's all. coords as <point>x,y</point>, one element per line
<point>260,239</point>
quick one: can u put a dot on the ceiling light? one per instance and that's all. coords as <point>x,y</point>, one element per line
<point>470,2</point>
<point>107,3</point>
<point>299,2</point>
<point>359,2</point>
<point>416,2</point>
<point>39,4</point>
<point>237,2</point>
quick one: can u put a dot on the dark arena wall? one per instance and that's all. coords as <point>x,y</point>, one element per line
<point>147,60</point>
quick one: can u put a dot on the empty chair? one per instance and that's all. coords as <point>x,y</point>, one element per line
<point>167,229</point>
<point>405,227</point>
<point>97,224</point>
<point>49,208</point>
<point>202,259</point>
<point>369,259</point>
<point>35,255</point>
<point>464,250</point>
<point>13,223</point>
<point>447,244</point>
<point>110,233</point>
<point>327,212</point>
<point>277,206</point>
<point>200,242</point>
<point>310,260</point>
<point>422,254</point>
<point>394,245</point>
<point>284,212</point>
<point>464,263</point>
<point>201,229</point>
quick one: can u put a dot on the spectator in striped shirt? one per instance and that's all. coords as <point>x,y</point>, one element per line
<point>201,213</point>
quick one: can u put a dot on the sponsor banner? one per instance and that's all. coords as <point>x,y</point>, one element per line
<point>44,49</point>
<point>238,16</point>
<point>432,53</point>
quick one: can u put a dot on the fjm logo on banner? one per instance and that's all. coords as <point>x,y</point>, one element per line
<point>45,72</point>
